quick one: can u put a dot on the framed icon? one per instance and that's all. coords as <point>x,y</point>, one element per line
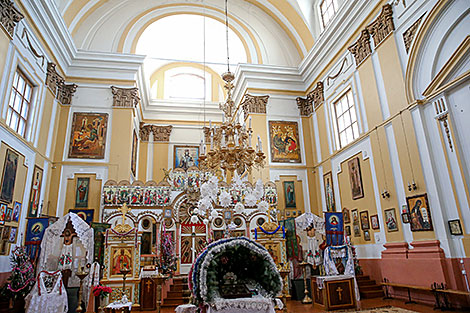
<point>455,228</point>
<point>364,220</point>
<point>374,221</point>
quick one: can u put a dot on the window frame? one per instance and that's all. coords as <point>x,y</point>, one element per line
<point>340,97</point>
<point>10,110</point>
<point>334,4</point>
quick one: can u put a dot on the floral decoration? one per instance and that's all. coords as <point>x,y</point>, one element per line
<point>229,256</point>
<point>102,291</point>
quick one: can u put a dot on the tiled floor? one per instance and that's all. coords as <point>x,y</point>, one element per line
<point>298,307</point>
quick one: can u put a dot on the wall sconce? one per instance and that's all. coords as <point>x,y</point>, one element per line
<point>412,186</point>
<point>385,194</point>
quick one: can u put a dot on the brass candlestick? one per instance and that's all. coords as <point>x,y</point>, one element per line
<point>307,299</point>
<point>159,280</point>
<point>81,274</point>
<point>124,271</point>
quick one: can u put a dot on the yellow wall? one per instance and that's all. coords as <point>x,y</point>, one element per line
<point>392,75</point>
<point>94,194</point>
<point>121,144</point>
<point>370,93</point>
<point>142,163</point>
<point>45,122</point>
<point>160,160</point>
<point>299,197</point>
<point>4,42</point>
<point>258,124</point>
<point>322,132</point>
<point>367,203</point>
<point>21,172</point>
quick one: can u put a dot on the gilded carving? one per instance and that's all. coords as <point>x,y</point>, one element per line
<point>217,135</point>
<point>361,48</point>
<point>383,25</point>
<point>125,97</point>
<point>9,16</point>
<point>160,133</point>
<point>410,34</point>
<point>254,104</point>
<point>314,99</point>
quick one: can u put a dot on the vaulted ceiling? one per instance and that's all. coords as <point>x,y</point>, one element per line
<point>276,32</point>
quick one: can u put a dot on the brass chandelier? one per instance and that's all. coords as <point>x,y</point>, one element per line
<point>230,144</point>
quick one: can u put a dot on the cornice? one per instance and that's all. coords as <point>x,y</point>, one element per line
<point>333,40</point>
<point>72,61</point>
<point>257,76</point>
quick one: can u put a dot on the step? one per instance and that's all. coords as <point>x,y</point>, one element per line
<point>362,277</point>
<point>366,283</point>
<point>174,294</point>
<point>370,288</point>
<point>175,302</point>
<point>177,287</point>
<point>372,294</point>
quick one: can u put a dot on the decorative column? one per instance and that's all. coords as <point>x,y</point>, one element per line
<point>150,157</point>
<point>307,107</point>
<point>158,138</point>
<point>254,109</point>
<point>125,100</point>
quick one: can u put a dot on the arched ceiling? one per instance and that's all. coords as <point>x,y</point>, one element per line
<point>276,31</point>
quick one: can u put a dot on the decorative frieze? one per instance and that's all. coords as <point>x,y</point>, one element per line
<point>65,93</point>
<point>383,25</point>
<point>125,97</point>
<point>160,133</point>
<point>9,16</point>
<point>361,48</point>
<point>314,99</point>
<point>254,104</point>
<point>410,34</point>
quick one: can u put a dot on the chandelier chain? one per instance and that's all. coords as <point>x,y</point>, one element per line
<point>226,33</point>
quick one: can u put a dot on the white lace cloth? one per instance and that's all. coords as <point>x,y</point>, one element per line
<point>322,279</point>
<point>119,305</point>
<point>305,220</point>
<point>40,300</point>
<point>148,274</point>
<point>256,304</point>
<point>52,243</point>
<point>186,308</point>
<point>94,274</point>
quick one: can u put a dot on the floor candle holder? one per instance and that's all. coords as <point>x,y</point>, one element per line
<point>307,299</point>
<point>81,274</point>
<point>124,271</point>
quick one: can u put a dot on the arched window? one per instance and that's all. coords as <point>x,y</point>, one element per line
<point>185,44</point>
